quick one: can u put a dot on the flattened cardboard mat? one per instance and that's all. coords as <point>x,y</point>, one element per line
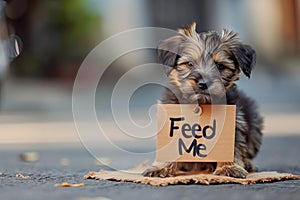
<point>134,175</point>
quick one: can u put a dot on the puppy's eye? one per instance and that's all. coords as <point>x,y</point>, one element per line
<point>190,64</point>
<point>220,66</point>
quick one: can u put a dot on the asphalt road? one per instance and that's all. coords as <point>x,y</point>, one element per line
<point>277,153</point>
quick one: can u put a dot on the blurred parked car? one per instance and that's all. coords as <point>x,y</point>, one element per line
<point>3,36</point>
<point>10,44</point>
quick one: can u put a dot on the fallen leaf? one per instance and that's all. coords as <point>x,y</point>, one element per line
<point>19,175</point>
<point>29,156</point>
<point>65,184</point>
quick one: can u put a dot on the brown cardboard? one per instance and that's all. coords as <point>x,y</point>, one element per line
<point>217,121</point>
<point>134,175</point>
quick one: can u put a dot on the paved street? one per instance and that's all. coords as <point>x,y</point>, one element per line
<point>69,163</point>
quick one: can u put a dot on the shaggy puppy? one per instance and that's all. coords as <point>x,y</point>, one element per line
<point>202,69</point>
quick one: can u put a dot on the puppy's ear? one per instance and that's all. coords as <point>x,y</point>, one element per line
<point>168,52</point>
<point>244,55</point>
<point>189,31</point>
<point>246,58</point>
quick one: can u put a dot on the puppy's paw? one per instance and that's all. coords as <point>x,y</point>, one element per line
<point>158,172</point>
<point>235,171</point>
<point>249,166</point>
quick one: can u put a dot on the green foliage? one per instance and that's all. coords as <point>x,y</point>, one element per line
<point>59,35</point>
<point>74,21</point>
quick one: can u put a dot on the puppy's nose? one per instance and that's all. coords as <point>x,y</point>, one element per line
<point>202,84</point>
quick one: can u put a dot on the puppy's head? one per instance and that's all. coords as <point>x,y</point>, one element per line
<point>203,66</point>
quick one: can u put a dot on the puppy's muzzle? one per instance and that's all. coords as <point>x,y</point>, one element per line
<point>202,84</point>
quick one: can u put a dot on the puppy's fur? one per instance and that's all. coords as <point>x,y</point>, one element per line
<point>202,69</point>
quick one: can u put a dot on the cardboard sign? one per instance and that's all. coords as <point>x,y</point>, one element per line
<point>186,134</point>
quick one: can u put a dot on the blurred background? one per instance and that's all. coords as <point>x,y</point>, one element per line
<point>43,43</point>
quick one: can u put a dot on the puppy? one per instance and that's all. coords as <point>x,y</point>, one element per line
<point>202,69</point>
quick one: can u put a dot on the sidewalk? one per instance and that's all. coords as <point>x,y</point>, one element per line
<point>27,129</point>
<point>40,112</point>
